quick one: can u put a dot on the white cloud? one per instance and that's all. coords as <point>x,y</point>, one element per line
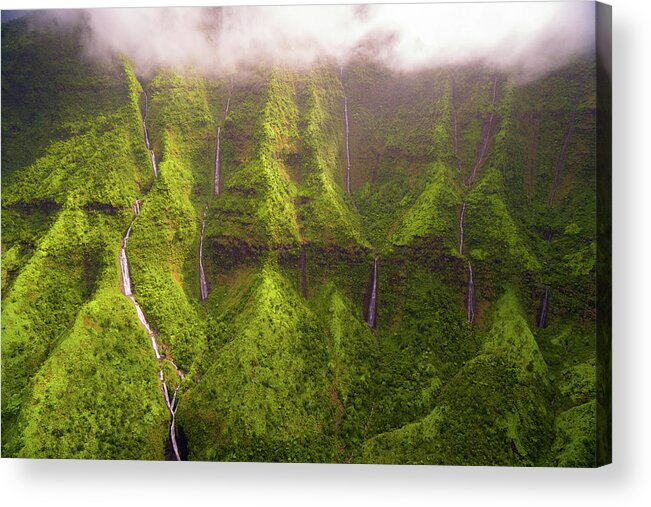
<point>530,37</point>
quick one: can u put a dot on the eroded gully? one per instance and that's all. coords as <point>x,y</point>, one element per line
<point>217,142</point>
<point>341,79</point>
<point>170,402</point>
<point>203,286</point>
<point>541,320</point>
<point>481,155</point>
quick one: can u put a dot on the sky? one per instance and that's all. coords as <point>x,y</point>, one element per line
<point>529,38</point>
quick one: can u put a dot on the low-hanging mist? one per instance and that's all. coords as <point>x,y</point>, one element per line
<point>528,38</point>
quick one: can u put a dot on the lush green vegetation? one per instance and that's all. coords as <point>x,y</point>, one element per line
<point>279,363</point>
<point>73,351</point>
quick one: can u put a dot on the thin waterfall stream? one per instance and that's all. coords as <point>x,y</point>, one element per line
<point>203,286</point>
<point>152,156</point>
<point>481,155</point>
<point>542,317</point>
<point>217,149</point>
<point>470,296</point>
<point>216,189</point>
<point>371,312</point>
<point>485,135</point>
<point>456,129</point>
<point>541,321</point>
<point>461,233</point>
<point>560,162</point>
<point>127,291</point>
<point>341,79</point>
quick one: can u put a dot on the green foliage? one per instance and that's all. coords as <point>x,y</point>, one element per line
<point>352,359</point>
<point>433,212</point>
<point>268,216</point>
<point>165,232</point>
<point>275,366</point>
<point>98,393</point>
<point>329,215</point>
<point>578,382</point>
<point>510,335</point>
<point>43,301</point>
<point>491,227</point>
<point>279,363</point>
<point>575,443</point>
<point>424,340</point>
<point>61,243</point>
<point>484,416</point>
<point>443,132</point>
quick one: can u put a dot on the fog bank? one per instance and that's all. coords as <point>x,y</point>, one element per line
<point>529,38</point>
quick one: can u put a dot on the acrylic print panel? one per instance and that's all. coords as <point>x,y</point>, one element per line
<point>340,234</point>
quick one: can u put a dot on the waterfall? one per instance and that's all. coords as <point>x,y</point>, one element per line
<point>371,313</point>
<point>172,406</point>
<point>144,122</point>
<point>561,159</point>
<point>470,297</point>
<point>203,287</point>
<point>485,135</point>
<point>341,78</point>
<point>558,166</point>
<point>153,163</point>
<point>147,143</point>
<point>216,189</point>
<point>463,212</point>
<point>219,129</point>
<point>542,317</point>
<point>228,101</point>
<point>456,142</point>
<point>126,290</point>
<point>544,304</point>
<point>565,145</point>
<point>456,130</point>
<point>124,265</point>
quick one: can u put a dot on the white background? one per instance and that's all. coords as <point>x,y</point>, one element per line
<point>625,483</point>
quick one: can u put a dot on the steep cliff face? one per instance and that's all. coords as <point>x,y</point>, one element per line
<point>280,363</point>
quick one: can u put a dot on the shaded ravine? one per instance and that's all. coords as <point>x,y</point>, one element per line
<point>456,129</point>
<point>127,291</point>
<point>371,310</point>
<point>371,320</point>
<point>367,425</point>
<point>341,79</point>
<point>542,312</point>
<point>470,296</point>
<point>485,136</point>
<point>461,232</point>
<point>481,154</point>
<point>302,258</point>
<point>560,162</point>
<point>147,143</point>
<point>218,136</point>
<point>203,286</point>
<point>541,321</point>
